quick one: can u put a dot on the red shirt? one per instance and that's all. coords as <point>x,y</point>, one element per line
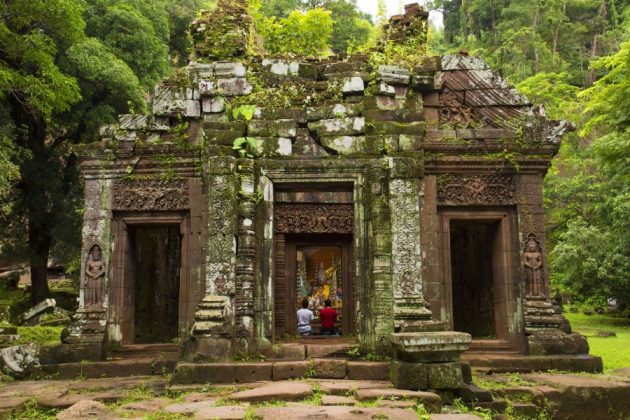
<point>328,316</point>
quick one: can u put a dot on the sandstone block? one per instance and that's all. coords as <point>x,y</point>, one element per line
<point>338,127</point>
<point>337,400</point>
<point>334,412</point>
<point>290,370</point>
<point>223,412</point>
<point>189,373</point>
<point>445,375</point>
<point>234,86</point>
<point>394,75</point>
<point>378,371</point>
<point>253,372</point>
<point>353,84</point>
<point>85,409</point>
<point>214,105</point>
<point>229,70</point>
<point>275,391</point>
<point>330,368</point>
<point>405,375</point>
<point>431,401</point>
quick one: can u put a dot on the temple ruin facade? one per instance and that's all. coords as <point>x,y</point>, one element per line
<point>410,194</point>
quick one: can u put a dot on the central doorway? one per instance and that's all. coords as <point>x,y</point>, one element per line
<point>317,268</point>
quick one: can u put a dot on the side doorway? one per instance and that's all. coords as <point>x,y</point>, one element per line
<point>480,265</point>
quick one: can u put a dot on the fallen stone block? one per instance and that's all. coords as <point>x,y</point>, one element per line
<point>19,361</point>
<point>85,409</point>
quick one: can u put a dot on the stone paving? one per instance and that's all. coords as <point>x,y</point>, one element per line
<point>564,395</point>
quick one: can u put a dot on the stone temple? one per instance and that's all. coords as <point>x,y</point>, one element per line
<point>409,194</point>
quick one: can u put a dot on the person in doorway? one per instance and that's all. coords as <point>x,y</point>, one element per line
<point>328,317</point>
<point>304,318</point>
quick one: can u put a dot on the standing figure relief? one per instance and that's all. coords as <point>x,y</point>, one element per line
<point>93,284</point>
<point>533,262</point>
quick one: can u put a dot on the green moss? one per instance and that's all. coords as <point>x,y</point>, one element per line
<point>222,33</point>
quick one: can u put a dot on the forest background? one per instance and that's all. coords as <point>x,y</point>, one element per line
<point>68,67</point>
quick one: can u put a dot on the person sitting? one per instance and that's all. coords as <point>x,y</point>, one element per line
<point>328,317</point>
<point>304,318</point>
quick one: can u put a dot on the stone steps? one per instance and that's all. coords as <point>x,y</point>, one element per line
<point>328,368</point>
<point>500,362</point>
<point>109,369</point>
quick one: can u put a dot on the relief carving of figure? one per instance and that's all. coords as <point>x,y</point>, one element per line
<point>533,261</point>
<point>95,272</point>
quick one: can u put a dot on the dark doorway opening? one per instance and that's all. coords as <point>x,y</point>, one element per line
<point>473,285</point>
<point>156,253</point>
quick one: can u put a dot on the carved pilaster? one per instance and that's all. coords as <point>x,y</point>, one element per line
<point>245,255</point>
<point>377,299</point>
<point>222,202</point>
<point>409,304</point>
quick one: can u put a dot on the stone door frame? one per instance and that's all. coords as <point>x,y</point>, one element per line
<point>308,175</point>
<point>120,317</point>
<point>505,259</point>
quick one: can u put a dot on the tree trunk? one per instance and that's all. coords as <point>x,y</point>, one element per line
<point>39,244</point>
<point>35,185</point>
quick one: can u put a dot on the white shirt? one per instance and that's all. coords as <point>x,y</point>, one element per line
<point>304,318</point>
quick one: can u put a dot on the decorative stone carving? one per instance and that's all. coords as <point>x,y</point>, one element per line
<point>476,190</point>
<point>410,308</point>
<point>533,261</point>
<point>150,194</point>
<point>314,218</point>
<point>94,274</point>
<point>453,111</point>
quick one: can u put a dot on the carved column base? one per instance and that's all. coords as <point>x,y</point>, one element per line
<point>83,338</point>
<point>211,335</point>
<point>411,314</point>
<point>545,330</point>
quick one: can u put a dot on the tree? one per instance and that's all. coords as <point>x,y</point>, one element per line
<point>300,33</point>
<point>350,28</point>
<point>57,88</point>
<point>136,31</point>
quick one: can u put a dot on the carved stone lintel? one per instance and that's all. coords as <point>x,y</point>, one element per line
<point>150,194</point>
<point>314,218</point>
<point>476,190</point>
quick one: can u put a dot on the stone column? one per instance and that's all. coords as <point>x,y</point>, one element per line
<point>377,304</point>
<point>213,330</point>
<point>410,308</point>
<point>245,255</point>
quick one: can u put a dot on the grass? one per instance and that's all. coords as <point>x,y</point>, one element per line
<point>613,350</point>
<point>40,335</point>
